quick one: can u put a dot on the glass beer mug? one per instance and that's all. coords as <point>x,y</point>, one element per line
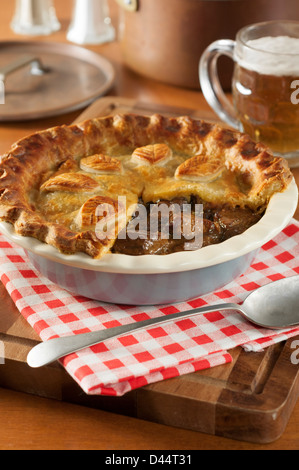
<point>265,84</point>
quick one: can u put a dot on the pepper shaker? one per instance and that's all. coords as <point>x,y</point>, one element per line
<point>91,23</point>
<point>35,18</point>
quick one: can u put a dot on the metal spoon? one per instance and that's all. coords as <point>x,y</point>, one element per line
<point>274,306</point>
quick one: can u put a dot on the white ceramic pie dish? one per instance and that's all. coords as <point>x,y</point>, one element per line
<point>153,279</point>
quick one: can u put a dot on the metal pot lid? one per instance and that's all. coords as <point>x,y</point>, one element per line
<point>49,79</point>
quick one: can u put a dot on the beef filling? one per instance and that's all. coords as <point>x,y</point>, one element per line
<point>220,222</point>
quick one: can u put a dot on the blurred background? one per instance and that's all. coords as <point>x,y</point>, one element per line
<point>159,39</point>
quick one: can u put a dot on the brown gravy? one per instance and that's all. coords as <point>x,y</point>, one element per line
<point>220,222</point>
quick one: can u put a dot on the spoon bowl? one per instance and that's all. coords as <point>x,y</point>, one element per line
<point>273,306</point>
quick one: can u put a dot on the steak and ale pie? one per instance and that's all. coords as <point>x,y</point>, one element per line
<point>82,188</point>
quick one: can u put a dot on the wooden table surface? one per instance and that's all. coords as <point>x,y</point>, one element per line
<point>29,422</point>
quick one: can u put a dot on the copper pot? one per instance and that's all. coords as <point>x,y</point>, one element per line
<point>164,39</point>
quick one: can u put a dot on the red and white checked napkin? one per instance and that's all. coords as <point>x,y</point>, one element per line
<point>119,365</point>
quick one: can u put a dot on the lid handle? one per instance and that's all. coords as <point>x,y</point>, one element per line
<point>37,68</point>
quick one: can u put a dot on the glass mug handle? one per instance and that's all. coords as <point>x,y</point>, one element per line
<point>210,84</point>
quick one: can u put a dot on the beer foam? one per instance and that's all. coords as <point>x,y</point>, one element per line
<point>270,55</point>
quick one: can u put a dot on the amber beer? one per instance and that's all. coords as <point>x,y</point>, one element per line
<point>265,85</point>
<point>266,93</point>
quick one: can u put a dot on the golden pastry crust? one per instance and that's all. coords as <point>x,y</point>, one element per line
<point>43,187</point>
<point>101,164</point>
<point>71,182</point>
<point>89,214</point>
<point>200,168</point>
<point>157,154</point>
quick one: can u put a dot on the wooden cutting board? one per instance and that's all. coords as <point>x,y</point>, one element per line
<point>250,399</point>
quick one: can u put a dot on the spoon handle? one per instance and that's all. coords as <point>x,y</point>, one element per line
<point>49,351</point>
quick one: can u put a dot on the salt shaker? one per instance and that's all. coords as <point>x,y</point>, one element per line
<point>91,23</point>
<point>35,18</point>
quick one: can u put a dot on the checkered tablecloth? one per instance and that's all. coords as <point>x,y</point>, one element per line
<point>119,365</point>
